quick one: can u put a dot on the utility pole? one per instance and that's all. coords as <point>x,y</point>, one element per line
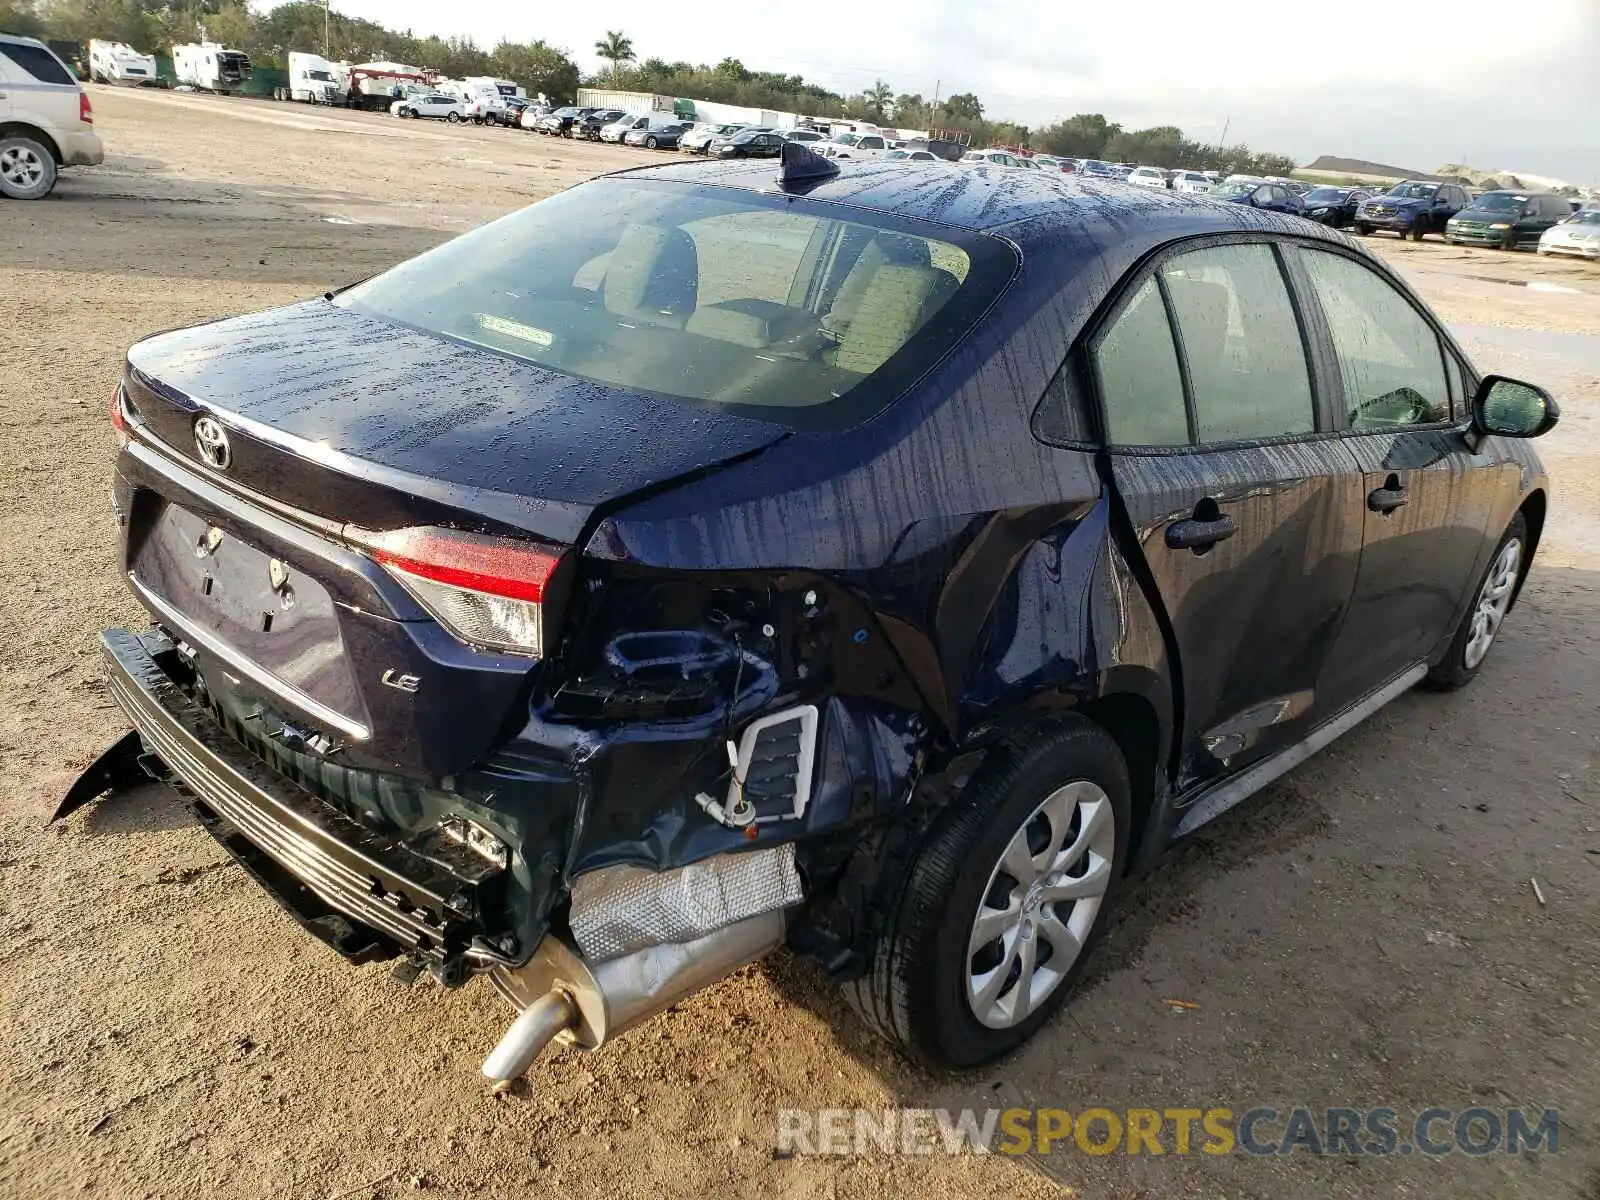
<point>1222,144</point>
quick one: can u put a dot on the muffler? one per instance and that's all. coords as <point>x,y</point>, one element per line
<point>583,1004</point>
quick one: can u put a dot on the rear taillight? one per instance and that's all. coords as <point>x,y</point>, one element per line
<point>488,591</point>
<point>119,419</point>
<point>85,111</point>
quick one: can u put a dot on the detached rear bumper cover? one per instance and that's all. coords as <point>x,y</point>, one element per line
<point>301,843</point>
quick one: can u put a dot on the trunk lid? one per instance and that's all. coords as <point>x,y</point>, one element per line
<point>365,421</point>
<point>334,420</point>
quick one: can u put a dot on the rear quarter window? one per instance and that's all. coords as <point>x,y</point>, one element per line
<point>38,63</point>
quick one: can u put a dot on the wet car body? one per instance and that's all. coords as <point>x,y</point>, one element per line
<point>1411,208</point>
<point>957,562</point>
<point>1335,206</point>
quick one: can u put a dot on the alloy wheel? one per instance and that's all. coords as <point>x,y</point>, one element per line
<point>21,167</point>
<point>1494,597</point>
<point>1040,904</point>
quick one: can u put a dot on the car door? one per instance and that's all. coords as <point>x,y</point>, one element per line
<point>1427,496</point>
<point>7,78</point>
<point>1245,504</point>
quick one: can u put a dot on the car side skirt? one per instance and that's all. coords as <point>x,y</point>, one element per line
<point>1218,799</point>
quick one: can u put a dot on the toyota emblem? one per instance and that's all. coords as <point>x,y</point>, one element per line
<point>211,440</point>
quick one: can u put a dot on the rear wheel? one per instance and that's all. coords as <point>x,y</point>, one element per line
<point>453,117</point>
<point>1004,901</point>
<point>1481,624</point>
<point>27,168</point>
<point>650,143</point>
<point>1363,230</point>
<point>1419,229</point>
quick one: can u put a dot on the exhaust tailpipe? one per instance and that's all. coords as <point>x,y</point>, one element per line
<point>585,1004</point>
<point>530,1033</point>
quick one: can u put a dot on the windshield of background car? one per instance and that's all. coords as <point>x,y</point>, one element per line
<point>1327,195</point>
<point>1413,191</point>
<point>1500,202</point>
<point>1237,189</point>
<point>799,312</point>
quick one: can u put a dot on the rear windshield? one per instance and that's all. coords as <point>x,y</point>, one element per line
<point>804,313</point>
<point>1500,202</point>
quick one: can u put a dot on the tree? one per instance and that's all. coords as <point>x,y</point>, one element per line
<point>615,48</point>
<point>540,69</point>
<point>963,106</point>
<point>732,68</point>
<point>20,18</point>
<point>1082,136</point>
<point>878,97</point>
<point>910,111</point>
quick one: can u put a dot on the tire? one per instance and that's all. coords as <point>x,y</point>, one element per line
<point>650,143</point>
<point>1419,230</point>
<point>1363,230</point>
<point>1493,595</point>
<point>918,988</point>
<point>27,168</point>
<point>1509,242</point>
<point>453,117</point>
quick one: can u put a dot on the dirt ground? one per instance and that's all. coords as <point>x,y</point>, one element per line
<point>1364,933</point>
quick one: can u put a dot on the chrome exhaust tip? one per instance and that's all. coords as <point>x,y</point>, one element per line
<point>534,1029</point>
<point>563,996</point>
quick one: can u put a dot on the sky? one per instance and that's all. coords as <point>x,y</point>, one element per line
<point>1498,85</point>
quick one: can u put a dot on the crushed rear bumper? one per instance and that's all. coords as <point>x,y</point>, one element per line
<point>368,896</point>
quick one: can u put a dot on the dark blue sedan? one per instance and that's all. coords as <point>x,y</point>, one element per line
<point>875,559</point>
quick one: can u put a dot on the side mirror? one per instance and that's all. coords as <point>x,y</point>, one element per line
<point>1511,408</point>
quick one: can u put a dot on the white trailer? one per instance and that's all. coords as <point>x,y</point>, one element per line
<point>210,66</point>
<point>378,84</point>
<point>313,79</point>
<point>118,62</point>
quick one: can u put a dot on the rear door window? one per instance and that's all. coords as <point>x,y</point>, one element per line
<point>1247,363</point>
<point>1390,360</point>
<point>37,62</point>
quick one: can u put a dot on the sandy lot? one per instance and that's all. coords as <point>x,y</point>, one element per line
<point>1362,934</point>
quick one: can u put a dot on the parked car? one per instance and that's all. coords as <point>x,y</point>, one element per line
<point>553,693</point>
<point>1298,186</point>
<point>804,136</point>
<point>559,121</point>
<point>699,139</point>
<point>1412,209</point>
<point>1272,196</point>
<point>1150,177</point>
<point>532,114</point>
<point>1578,235</point>
<point>1191,183</point>
<point>1507,219</point>
<point>747,143</point>
<point>1054,162</point>
<point>590,125</point>
<point>1335,206</point>
<point>431,104</point>
<point>911,156</point>
<point>1093,168</point>
<point>658,137</point>
<point>991,158</point>
<point>854,145</point>
<point>46,120</point>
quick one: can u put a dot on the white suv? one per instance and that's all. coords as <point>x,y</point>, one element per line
<point>45,120</point>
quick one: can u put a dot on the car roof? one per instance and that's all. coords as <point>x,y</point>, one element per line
<point>1048,203</point>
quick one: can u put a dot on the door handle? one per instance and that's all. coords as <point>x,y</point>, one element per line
<point>1200,535</point>
<point>1390,496</point>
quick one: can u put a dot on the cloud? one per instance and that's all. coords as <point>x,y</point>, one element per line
<point>1473,77</point>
